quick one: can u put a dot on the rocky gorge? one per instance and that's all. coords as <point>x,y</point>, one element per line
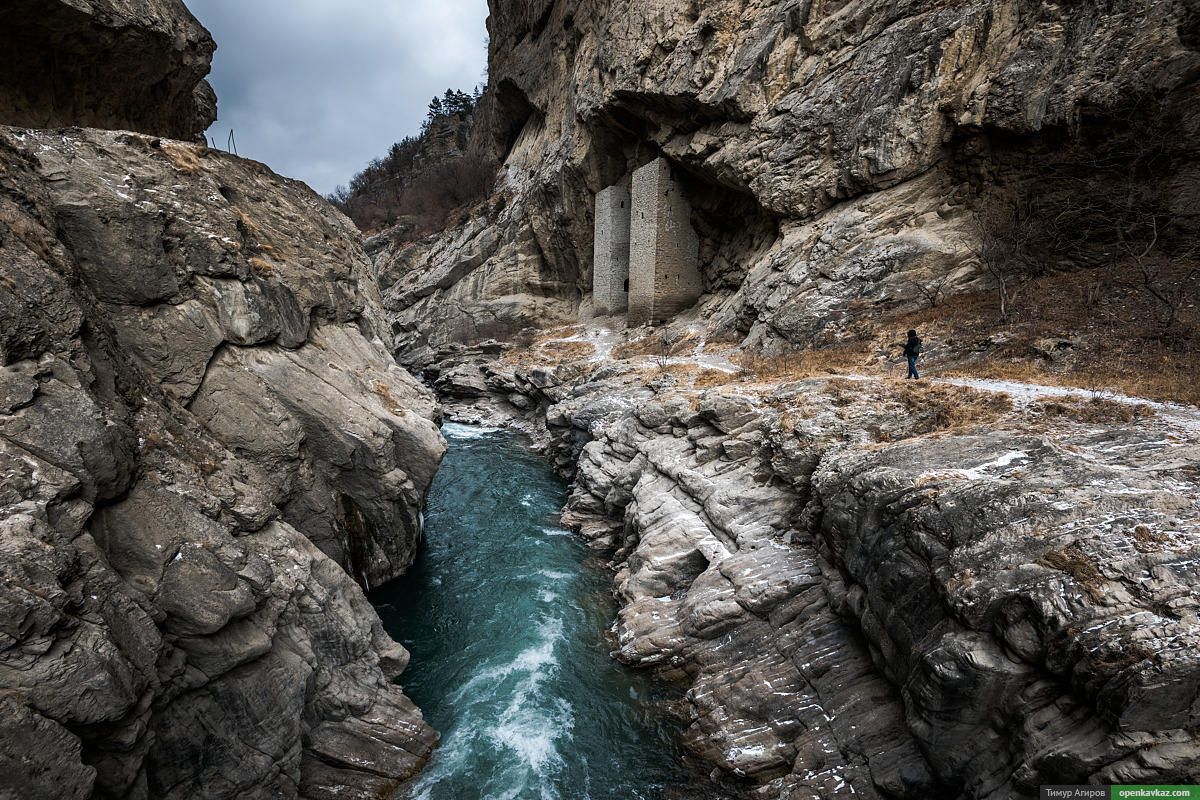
<point>966,589</point>
<point>880,591</point>
<point>835,155</point>
<point>963,588</point>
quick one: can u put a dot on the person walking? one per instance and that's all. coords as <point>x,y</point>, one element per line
<point>912,351</point>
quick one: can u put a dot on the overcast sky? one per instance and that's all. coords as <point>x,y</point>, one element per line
<point>317,88</point>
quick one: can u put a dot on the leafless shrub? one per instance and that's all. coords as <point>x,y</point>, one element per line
<point>932,288</point>
<point>1010,237</point>
<point>1116,204</point>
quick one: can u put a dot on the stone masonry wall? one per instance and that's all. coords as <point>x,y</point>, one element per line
<point>664,276</point>
<point>610,276</point>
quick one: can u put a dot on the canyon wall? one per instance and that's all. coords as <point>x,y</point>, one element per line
<point>199,424</point>
<point>134,65</point>
<point>834,153</point>
<point>870,590</point>
<point>876,590</point>
<point>205,447</point>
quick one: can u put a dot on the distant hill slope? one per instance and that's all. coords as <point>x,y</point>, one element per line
<point>423,178</point>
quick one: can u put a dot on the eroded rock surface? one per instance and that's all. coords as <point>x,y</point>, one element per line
<point>120,64</point>
<point>198,423</point>
<point>881,591</point>
<point>834,154</point>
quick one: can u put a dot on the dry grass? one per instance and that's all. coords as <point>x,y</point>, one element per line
<point>1097,410</point>
<point>1165,379</point>
<point>686,375</point>
<point>1130,656</point>
<point>893,410</point>
<point>563,352</point>
<point>800,364</point>
<point>707,378</point>
<point>248,227</point>
<point>660,342</point>
<point>547,353</point>
<point>1148,541</point>
<point>649,346</point>
<point>260,266</point>
<point>183,157</point>
<point>939,407</point>
<point>552,334</point>
<point>1117,343</point>
<point>1075,563</point>
<point>962,580</point>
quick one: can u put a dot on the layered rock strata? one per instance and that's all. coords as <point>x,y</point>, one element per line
<point>199,421</point>
<point>119,64</point>
<point>834,154</point>
<point>890,592</point>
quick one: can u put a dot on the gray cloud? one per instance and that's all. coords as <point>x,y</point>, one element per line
<point>317,88</point>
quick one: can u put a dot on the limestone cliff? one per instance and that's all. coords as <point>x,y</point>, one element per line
<point>878,590</point>
<point>124,64</point>
<point>204,442</point>
<point>871,590</point>
<point>198,422</point>
<point>833,152</point>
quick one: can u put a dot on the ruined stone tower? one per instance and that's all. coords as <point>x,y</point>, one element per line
<point>664,272</point>
<point>610,275</point>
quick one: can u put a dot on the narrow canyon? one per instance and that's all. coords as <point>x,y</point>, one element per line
<point>567,451</point>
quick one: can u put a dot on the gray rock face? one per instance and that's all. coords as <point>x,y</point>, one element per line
<point>198,423</point>
<point>868,602</point>
<point>485,280</point>
<point>120,64</point>
<point>835,151</point>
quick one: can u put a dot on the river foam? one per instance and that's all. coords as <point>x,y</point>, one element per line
<point>508,634</point>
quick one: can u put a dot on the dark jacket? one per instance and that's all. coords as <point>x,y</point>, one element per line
<point>912,347</point>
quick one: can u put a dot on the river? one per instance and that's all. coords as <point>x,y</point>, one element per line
<point>506,615</point>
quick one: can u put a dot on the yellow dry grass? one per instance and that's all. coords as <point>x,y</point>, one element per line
<point>944,407</point>
<point>1118,344</point>
<point>551,334</point>
<point>183,157</point>
<point>800,364</point>
<point>384,392</point>
<point>548,353</point>
<point>1098,410</point>
<point>1076,563</point>
<point>661,342</point>
<point>260,266</point>
<point>562,352</point>
<point>249,228</point>
<point>1166,379</point>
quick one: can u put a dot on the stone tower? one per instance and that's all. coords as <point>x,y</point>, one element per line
<point>664,272</point>
<point>610,273</point>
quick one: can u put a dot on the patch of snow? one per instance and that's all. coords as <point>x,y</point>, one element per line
<point>981,471</point>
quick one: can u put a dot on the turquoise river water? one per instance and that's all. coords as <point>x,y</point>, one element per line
<point>506,618</point>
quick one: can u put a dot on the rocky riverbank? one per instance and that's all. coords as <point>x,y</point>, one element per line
<point>198,425</point>
<point>202,438</point>
<point>876,589</point>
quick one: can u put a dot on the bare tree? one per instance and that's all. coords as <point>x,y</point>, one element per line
<point>932,287</point>
<point>1172,293</point>
<point>1116,205</point>
<point>1009,241</point>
